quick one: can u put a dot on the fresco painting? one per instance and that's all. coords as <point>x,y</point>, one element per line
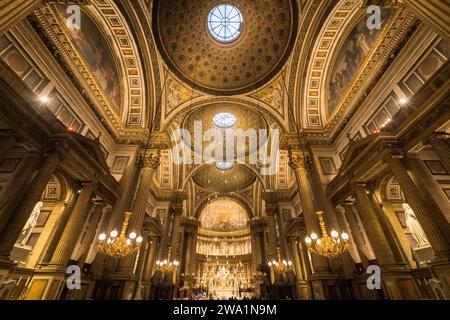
<point>355,50</point>
<point>98,55</point>
<point>224,215</point>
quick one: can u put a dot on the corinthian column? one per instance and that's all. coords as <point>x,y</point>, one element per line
<point>380,244</point>
<point>148,164</point>
<point>298,163</point>
<point>91,231</point>
<point>71,232</point>
<point>356,235</point>
<point>430,217</point>
<point>441,145</point>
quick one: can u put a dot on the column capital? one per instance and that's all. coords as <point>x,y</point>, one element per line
<point>272,209</point>
<point>151,160</point>
<point>299,161</point>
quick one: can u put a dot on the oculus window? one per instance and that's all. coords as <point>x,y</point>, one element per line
<point>225,23</point>
<point>224,166</point>
<point>224,120</point>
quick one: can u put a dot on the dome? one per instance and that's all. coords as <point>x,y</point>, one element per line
<point>225,48</point>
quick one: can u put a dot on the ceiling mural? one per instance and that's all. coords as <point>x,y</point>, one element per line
<point>102,59</point>
<point>98,54</point>
<point>345,60</point>
<point>263,44</point>
<point>212,179</point>
<point>224,215</point>
<point>356,48</point>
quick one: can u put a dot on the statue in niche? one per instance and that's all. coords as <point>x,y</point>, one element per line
<point>31,223</point>
<point>415,227</point>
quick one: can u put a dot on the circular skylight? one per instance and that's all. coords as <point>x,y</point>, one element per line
<point>225,23</point>
<point>224,166</point>
<point>224,120</point>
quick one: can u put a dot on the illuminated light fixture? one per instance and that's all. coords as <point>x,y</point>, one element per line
<point>119,245</point>
<point>44,99</point>
<point>280,265</point>
<point>167,265</point>
<point>328,246</point>
<point>403,101</point>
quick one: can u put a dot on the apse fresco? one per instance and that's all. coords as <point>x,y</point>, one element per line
<point>224,215</point>
<point>94,47</point>
<point>355,50</point>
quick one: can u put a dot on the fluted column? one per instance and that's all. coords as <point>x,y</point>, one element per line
<point>71,232</point>
<point>282,236</point>
<point>141,263</point>
<point>356,234</point>
<point>149,164</point>
<point>299,165</point>
<point>151,259</point>
<point>255,230</point>
<point>301,284</point>
<point>272,210</point>
<point>441,145</point>
<point>374,230</point>
<point>13,11</point>
<point>432,220</point>
<point>177,215</point>
<point>353,250</point>
<point>21,214</point>
<point>91,231</point>
<point>425,181</point>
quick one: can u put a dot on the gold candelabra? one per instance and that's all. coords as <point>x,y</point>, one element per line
<point>119,245</point>
<point>167,265</point>
<point>327,246</point>
<point>281,265</point>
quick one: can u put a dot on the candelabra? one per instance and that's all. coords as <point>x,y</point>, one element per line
<point>281,265</point>
<point>119,245</point>
<point>327,246</point>
<point>167,265</point>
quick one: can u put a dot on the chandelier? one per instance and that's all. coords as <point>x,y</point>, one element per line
<point>328,246</point>
<point>167,265</point>
<point>282,265</point>
<point>119,245</point>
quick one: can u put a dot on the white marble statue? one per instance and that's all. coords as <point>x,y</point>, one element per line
<point>31,223</point>
<point>415,227</point>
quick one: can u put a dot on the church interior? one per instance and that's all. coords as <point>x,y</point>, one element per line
<point>216,150</point>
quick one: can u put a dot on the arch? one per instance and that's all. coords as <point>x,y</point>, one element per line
<point>197,168</point>
<point>388,190</point>
<point>182,112</point>
<point>234,197</point>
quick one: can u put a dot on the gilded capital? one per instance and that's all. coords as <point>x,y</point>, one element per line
<point>151,161</point>
<point>298,161</point>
